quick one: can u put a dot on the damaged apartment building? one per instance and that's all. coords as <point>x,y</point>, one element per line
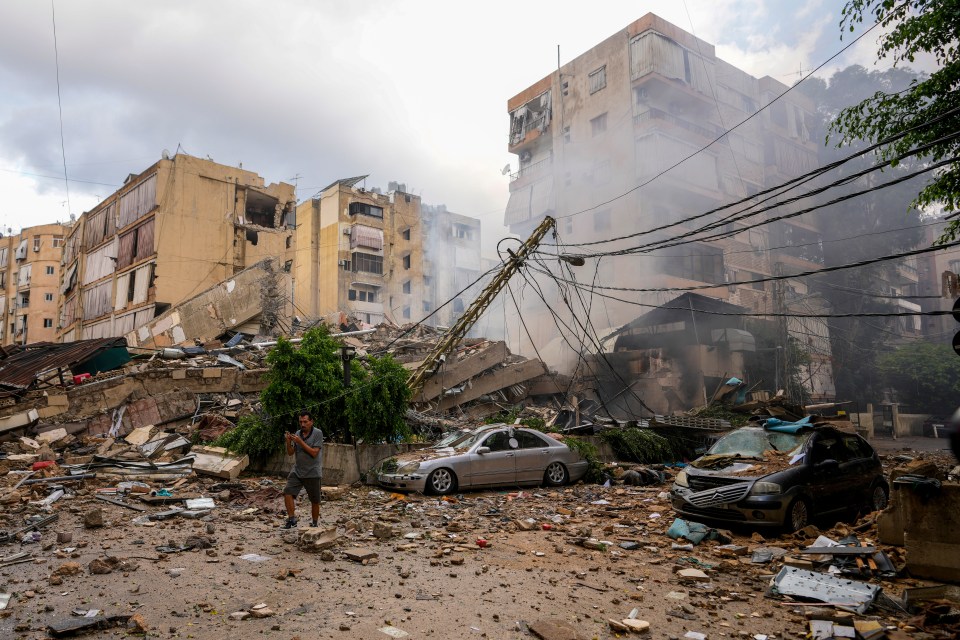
<point>376,256</point>
<point>29,277</point>
<point>168,234</point>
<point>608,126</point>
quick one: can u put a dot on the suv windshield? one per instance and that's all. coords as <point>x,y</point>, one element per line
<point>751,442</point>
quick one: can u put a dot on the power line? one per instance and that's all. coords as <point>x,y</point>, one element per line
<point>56,58</point>
<point>802,274</point>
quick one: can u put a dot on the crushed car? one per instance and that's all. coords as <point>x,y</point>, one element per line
<point>489,456</point>
<point>780,475</point>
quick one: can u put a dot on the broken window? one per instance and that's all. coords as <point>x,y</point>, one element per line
<point>598,125</point>
<point>136,244</point>
<point>533,116</point>
<point>25,299</point>
<point>261,209</point>
<point>406,313</point>
<point>352,294</point>
<point>367,263</point>
<point>406,234</point>
<point>462,231</point>
<point>598,79</point>
<point>362,208</point>
<point>57,242</point>
<point>406,261</point>
<point>36,243</point>
<point>406,287</point>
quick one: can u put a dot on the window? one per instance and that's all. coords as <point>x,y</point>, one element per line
<point>362,208</point>
<point>345,264</point>
<point>462,231</point>
<point>362,296</point>
<point>406,287</point>
<point>36,243</point>
<point>598,79</point>
<point>427,307</point>
<point>406,313</point>
<point>3,279</point>
<point>406,261</point>
<point>25,300</point>
<point>601,220</point>
<point>48,297</point>
<point>368,263</point>
<point>47,323</point>
<point>352,294</point>
<point>566,133</point>
<point>406,234</point>
<point>530,441</point>
<point>289,241</point>
<point>50,271</point>
<point>57,242</point>
<point>703,264</point>
<point>598,125</point>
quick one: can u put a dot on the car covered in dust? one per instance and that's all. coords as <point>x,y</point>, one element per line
<point>496,455</point>
<point>780,476</point>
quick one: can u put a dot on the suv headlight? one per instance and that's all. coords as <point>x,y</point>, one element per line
<point>681,479</point>
<point>765,489</point>
<point>408,467</point>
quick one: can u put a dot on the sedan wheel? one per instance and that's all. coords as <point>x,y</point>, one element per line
<point>556,474</point>
<point>442,481</point>
<point>798,515</point>
<point>878,500</point>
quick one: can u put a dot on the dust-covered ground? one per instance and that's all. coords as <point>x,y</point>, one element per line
<point>424,573</point>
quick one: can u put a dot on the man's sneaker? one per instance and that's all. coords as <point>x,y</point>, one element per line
<point>314,525</point>
<point>290,524</point>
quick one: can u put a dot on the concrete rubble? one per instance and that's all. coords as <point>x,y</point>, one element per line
<point>197,555</point>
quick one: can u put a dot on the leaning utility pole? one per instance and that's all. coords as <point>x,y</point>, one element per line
<point>457,332</point>
<point>783,333</point>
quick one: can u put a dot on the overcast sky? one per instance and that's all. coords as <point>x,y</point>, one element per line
<point>406,90</point>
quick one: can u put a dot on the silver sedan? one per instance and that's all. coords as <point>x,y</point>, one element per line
<point>490,456</point>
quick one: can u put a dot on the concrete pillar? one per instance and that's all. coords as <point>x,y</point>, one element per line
<point>866,420</point>
<point>895,414</point>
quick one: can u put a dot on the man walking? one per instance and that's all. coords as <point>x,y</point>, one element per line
<point>307,446</point>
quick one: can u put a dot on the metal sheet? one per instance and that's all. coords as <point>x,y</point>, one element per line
<point>822,587</point>
<point>20,369</point>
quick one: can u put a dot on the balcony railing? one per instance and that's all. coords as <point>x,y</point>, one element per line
<point>707,131</point>
<point>530,169</point>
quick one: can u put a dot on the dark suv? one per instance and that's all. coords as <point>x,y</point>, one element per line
<point>778,478</point>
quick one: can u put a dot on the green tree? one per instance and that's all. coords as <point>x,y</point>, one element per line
<point>924,376</point>
<point>930,104</point>
<point>310,376</point>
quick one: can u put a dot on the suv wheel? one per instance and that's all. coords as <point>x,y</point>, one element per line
<point>878,498</point>
<point>798,515</point>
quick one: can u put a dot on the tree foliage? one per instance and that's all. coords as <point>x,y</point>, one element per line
<point>929,108</point>
<point>310,376</point>
<point>924,376</point>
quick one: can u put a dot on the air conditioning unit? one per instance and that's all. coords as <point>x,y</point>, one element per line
<point>526,156</point>
<point>347,231</point>
<point>342,263</point>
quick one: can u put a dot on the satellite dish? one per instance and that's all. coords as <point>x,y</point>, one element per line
<point>165,154</point>
<point>505,170</point>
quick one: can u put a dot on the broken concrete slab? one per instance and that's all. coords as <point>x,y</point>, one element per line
<point>454,373</point>
<point>554,629</point>
<point>74,626</point>
<point>360,555</point>
<point>218,462</point>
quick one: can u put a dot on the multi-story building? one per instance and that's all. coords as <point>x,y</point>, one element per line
<point>170,232</point>
<point>29,276</point>
<point>373,256</point>
<point>931,268</point>
<point>623,139</point>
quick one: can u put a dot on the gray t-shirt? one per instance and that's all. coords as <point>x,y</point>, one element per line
<point>305,465</point>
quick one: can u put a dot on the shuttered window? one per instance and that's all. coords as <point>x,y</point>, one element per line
<point>97,300</point>
<point>136,244</point>
<point>598,79</point>
<point>139,201</point>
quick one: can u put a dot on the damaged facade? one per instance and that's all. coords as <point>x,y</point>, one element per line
<point>29,276</point>
<point>378,256</point>
<point>622,114</point>
<point>172,231</point>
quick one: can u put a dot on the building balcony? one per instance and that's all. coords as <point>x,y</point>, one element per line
<point>706,130</point>
<point>531,172</point>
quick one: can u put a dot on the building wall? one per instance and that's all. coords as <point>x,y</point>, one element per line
<point>603,165</point>
<point>30,268</point>
<point>172,231</point>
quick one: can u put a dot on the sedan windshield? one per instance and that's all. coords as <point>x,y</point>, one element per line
<point>752,442</point>
<point>450,439</point>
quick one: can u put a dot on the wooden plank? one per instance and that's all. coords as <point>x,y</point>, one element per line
<point>453,374</point>
<point>494,381</point>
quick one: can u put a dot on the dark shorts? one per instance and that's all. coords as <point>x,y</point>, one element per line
<point>310,485</point>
